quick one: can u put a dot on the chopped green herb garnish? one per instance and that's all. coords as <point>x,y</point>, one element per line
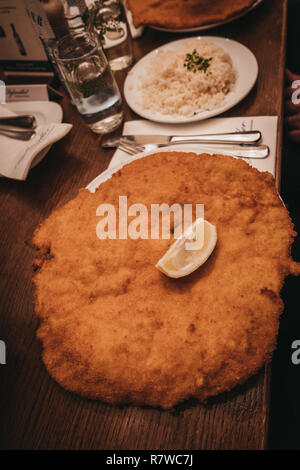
<point>195,62</point>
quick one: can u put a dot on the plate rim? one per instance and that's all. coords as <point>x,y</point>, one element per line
<point>208,26</point>
<point>109,172</point>
<point>206,114</point>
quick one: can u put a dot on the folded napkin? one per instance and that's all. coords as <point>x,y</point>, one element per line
<point>16,156</point>
<point>266,124</point>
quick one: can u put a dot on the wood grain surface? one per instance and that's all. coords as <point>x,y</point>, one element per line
<point>35,412</point>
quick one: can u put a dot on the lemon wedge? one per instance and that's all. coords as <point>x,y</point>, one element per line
<point>190,250</point>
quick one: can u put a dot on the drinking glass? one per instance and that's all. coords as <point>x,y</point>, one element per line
<point>89,80</point>
<point>107,18</point>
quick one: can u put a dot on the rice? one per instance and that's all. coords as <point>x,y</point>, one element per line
<point>170,88</point>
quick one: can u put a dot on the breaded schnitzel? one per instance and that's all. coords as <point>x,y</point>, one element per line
<point>188,13</point>
<point>114,328</point>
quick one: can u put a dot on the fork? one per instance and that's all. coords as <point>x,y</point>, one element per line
<point>255,151</point>
<point>131,149</point>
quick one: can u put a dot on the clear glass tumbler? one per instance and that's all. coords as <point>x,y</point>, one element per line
<point>89,80</point>
<point>107,18</point>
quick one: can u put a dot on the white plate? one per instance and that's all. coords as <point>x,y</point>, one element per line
<point>106,175</point>
<point>207,26</point>
<point>243,61</point>
<point>45,112</point>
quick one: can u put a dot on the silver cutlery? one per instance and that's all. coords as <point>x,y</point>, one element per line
<point>16,134</point>
<point>25,121</point>
<point>239,138</point>
<point>243,151</point>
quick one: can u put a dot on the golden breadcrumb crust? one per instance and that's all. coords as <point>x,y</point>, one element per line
<point>114,328</point>
<point>184,13</point>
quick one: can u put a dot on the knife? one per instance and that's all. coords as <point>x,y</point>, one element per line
<point>17,134</point>
<point>251,137</point>
<point>242,151</point>
<point>26,121</point>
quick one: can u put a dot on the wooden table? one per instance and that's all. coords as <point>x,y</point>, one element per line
<point>35,412</point>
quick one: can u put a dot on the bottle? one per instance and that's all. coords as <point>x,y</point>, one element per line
<point>18,40</point>
<point>54,19</point>
<point>76,13</point>
<point>107,18</point>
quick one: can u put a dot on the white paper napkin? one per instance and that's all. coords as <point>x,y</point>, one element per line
<point>266,124</point>
<point>16,156</point>
<point>135,32</point>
